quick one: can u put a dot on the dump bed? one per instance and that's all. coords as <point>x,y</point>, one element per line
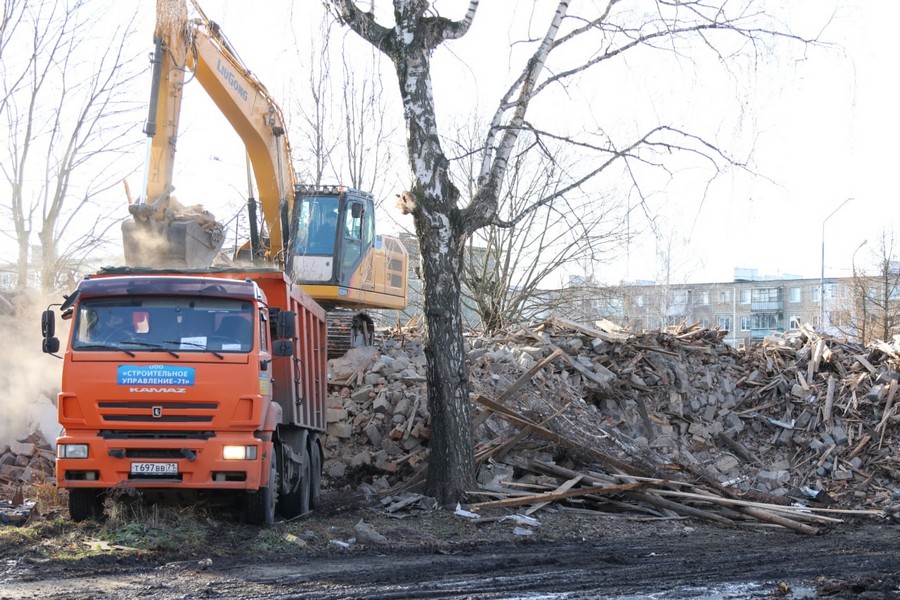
<point>299,382</point>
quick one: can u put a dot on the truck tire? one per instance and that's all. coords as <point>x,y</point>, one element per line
<point>315,475</point>
<point>295,503</point>
<point>86,503</point>
<point>259,506</point>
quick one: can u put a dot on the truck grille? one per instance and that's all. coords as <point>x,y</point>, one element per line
<point>109,434</point>
<point>125,411</point>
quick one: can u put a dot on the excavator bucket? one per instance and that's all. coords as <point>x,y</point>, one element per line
<point>189,239</point>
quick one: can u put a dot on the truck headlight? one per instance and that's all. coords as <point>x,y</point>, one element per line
<point>72,451</point>
<point>239,452</point>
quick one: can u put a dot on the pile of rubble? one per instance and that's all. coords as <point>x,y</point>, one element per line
<point>26,460</point>
<point>799,418</point>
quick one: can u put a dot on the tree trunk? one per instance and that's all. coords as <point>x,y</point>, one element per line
<point>48,258</point>
<point>441,242</point>
<point>22,263</point>
<point>451,460</point>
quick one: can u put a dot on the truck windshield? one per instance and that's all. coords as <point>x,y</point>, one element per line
<point>182,323</point>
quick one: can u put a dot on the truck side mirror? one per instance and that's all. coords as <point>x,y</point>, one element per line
<point>285,324</point>
<point>48,324</point>
<point>283,348</point>
<point>50,345</point>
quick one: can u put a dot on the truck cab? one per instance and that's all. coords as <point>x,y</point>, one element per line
<point>191,382</point>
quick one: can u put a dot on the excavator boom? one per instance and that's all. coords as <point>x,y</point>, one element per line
<point>163,232</point>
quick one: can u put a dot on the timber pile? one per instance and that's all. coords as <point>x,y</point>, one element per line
<point>673,423</point>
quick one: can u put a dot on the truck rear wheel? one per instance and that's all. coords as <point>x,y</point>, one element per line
<point>86,503</point>
<point>315,475</point>
<point>295,502</point>
<point>259,506</point>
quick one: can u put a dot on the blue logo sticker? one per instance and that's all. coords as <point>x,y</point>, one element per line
<point>155,375</point>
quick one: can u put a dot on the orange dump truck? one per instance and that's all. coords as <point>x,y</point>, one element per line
<point>208,383</point>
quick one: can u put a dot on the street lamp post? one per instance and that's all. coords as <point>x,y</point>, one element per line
<point>822,278</point>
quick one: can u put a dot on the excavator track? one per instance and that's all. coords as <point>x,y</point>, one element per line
<point>348,329</point>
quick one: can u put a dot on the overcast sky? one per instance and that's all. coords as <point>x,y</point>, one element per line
<point>823,129</point>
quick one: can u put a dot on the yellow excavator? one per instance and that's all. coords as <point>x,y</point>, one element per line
<point>322,236</point>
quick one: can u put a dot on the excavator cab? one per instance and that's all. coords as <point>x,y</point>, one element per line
<point>335,254</point>
<point>333,234</point>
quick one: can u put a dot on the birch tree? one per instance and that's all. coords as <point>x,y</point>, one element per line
<point>65,85</point>
<point>574,42</point>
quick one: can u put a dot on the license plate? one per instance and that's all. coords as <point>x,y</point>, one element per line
<point>154,468</point>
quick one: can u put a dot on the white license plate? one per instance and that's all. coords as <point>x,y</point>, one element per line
<point>153,468</point>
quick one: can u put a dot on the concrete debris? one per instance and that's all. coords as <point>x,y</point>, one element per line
<point>799,411</point>
<point>27,460</point>
<point>366,534</point>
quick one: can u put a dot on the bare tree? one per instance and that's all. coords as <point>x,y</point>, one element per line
<point>319,136</point>
<point>571,46</point>
<point>66,113</point>
<point>875,295</point>
<point>344,133</point>
<point>506,267</point>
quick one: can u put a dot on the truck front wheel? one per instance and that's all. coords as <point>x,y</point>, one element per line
<point>259,507</point>
<point>86,503</point>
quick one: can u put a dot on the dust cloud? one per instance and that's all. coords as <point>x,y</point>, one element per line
<point>29,379</point>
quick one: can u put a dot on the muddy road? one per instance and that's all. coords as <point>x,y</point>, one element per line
<point>684,560</point>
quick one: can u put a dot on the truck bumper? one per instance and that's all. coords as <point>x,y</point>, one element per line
<point>165,463</point>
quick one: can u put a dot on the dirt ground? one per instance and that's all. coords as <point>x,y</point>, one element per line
<point>437,554</point>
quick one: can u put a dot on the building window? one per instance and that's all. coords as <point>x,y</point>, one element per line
<point>745,323</point>
<point>703,298</point>
<point>765,295</point>
<point>679,297</point>
<point>765,321</point>
<point>794,294</point>
<point>795,322</point>
<point>723,297</point>
<point>830,292</point>
<point>639,301</point>
<point>745,296</point>
<point>725,323</point>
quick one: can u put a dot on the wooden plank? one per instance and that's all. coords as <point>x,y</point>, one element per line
<point>588,331</point>
<point>829,404</point>
<point>861,359</point>
<point>517,419</point>
<point>641,496</point>
<point>565,487</point>
<point>554,496</point>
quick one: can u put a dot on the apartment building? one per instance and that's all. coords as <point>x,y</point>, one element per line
<point>750,307</point>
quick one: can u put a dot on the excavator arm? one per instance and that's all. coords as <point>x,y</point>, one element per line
<point>163,232</point>
<point>324,237</point>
